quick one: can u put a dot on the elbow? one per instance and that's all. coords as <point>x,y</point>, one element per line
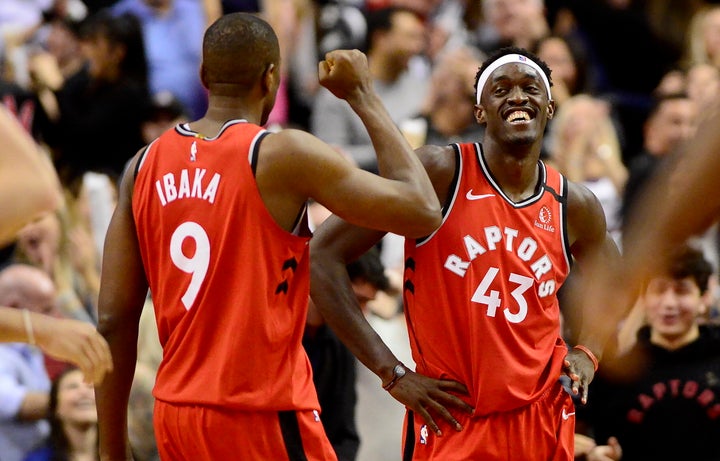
<point>426,222</point>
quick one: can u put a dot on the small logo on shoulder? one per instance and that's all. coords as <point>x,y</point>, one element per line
<point>544,219</point>
<point>566,415</point>
<point>316,414</point>
<point>424,434</point>
<point>193,152</point>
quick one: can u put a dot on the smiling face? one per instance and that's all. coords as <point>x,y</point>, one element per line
<point>75,400</point>
<point>672,307</point>
<point>514,105</point>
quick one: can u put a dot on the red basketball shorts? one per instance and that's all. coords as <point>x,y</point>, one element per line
<point>542,430</point>
<point>199,433</point>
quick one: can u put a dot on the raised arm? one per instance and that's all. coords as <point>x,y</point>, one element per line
<point>122,295</point>
<point>402,201</point>
<point>591,247</point>
<point>29,186</point>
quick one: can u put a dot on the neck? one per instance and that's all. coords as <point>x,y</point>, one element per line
<point>672,343</point>
<point>224,108</point>
<point>515,170</point>
<point>83,440</point>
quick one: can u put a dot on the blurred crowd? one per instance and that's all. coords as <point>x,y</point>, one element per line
<point>93,81</point>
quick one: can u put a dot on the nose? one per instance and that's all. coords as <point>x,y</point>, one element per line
<point>517,96</point>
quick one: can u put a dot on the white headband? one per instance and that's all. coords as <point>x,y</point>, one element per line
<point>507,59</point>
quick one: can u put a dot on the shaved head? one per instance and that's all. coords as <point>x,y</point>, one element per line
<point>237,49</point>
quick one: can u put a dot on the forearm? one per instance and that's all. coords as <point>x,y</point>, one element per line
<point>333,296</point>
<point>395,157</point>
<point>113,394</point>
<point>601,319</point>
<point>13,327</point>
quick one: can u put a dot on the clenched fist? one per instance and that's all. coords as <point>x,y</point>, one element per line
<point>345,73</point>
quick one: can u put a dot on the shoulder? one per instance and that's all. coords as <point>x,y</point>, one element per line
<point>585,215</point>
<point>440,163</point>
<point>288,143</point>
<point>437,158</point>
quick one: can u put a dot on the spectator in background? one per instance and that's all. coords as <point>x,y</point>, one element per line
<point>63,250</point>
<point>166,112</point>
<point>703,37</point>
<point>172,32</point>
<point>520,23</point>
<point>703,85</point>
<point>29,187</point>
<point>671,121</point>
<point>584,146</point>
<point>448,113</point>
<point>24,382</point>
<point>568,65</point>
<point>94,120</point>
<point>73,421</point>
<point>661,399</point>
<point>633,44</point>
<point>394,37</point>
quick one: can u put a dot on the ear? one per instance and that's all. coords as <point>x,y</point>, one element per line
<point>269,78</point>
<point>708,297</point>
<point>203,75</point>
<point>480,114</point>
<point>550,109</point>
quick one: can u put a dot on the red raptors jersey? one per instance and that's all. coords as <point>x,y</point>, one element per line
<point>230,287</point>
<point>480,293</point>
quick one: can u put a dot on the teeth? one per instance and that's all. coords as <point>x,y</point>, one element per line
<point>518,115</point>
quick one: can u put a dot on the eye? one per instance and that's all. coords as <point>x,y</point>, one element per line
<point>532,89</point>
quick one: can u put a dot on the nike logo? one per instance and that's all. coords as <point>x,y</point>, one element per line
<point>471,196</point>
<point>565,415</point>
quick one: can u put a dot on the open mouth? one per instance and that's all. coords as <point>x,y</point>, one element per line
<point>518,116</point>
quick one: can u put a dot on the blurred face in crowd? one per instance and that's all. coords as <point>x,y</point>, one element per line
<point>103,57</point>
<point>703,84</point>
<point>556,53</point>
<point>40,242</point>
<point>62,43</point>
<point>406,38</point>
<point>364,292</point>
<point>674,122</point>
<point>75,400</point>
<point>513,18</point>
<point>672,307</point>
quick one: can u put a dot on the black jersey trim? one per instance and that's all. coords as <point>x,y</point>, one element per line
<point>290,429</point>
<point>539,187</point>
<point>141,160</point>
<point>255,150</point>
<point>409,437</point>
<point>564,192</point>
<point>451,194</point>
<point>184,129</point>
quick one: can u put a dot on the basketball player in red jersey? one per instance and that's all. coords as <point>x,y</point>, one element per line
<point>211,218</point>
<point>480,293</point>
